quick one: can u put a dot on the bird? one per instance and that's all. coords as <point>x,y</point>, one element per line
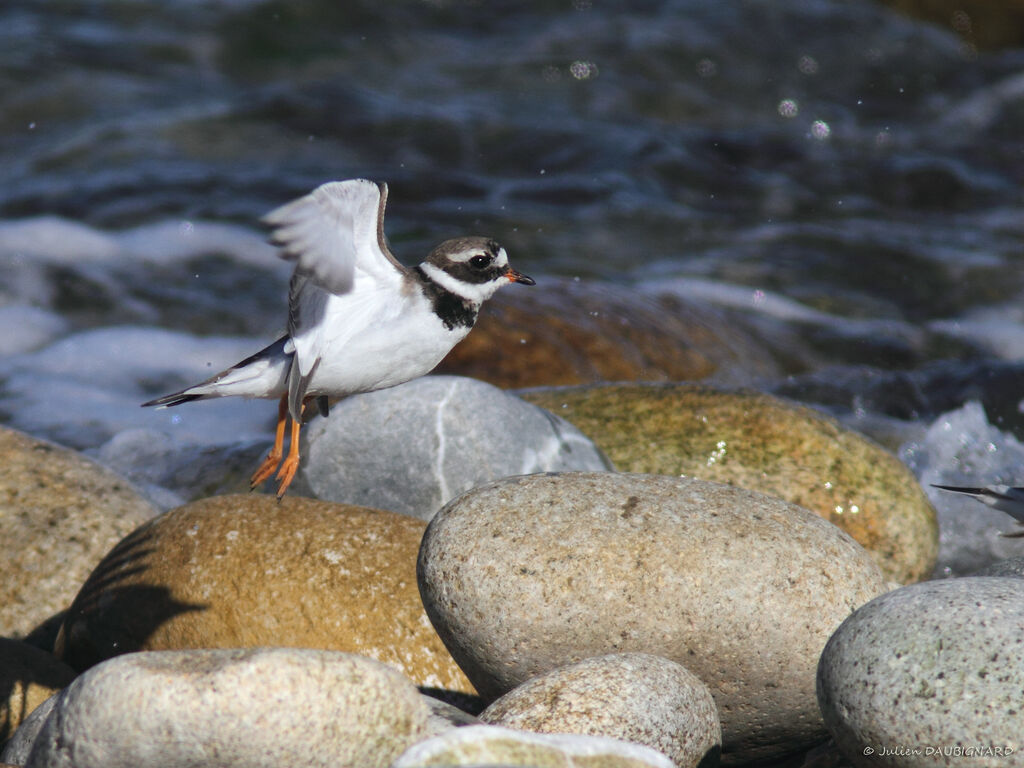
<point>358,320</point>
<point>1005,498</point>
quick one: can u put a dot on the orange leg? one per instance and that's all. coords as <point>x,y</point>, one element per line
<point>270,463</point>
<point>291,462</point>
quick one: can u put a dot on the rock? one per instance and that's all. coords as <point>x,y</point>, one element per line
<point>528,574</point>
<point>766,444</point>
<point>242,571</point>
<point>634,697</point>
<point>572,332</point>
<point>17,749</point>
<point>267,707</point>
<point>444,716</point>
<point>28,676</point>
<point>491,745</point>
<point>984,24</point>
<point>413,447</point>
<point>59,514</point>
<point>931,673</point>
<point>172,473</point>
<point>1013,567</point>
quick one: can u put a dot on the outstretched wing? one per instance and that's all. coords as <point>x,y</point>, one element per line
<point>335,230</point>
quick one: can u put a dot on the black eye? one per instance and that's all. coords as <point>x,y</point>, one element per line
<point>480,261</point>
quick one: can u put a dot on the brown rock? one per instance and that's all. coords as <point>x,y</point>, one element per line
<point>770,445</point>
<point>247,570</point>
<point>563,332</point>
<point>28,677</point>
<point>59,514</point>
<point>985,24</point>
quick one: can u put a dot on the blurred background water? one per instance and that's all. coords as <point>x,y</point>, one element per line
<point>837,181</point>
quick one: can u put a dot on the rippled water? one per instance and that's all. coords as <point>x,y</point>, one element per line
<point>842,178</point>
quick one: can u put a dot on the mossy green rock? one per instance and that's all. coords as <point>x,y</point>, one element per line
<point>766,444</point>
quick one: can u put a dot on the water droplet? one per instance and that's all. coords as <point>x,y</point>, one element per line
<point>583,70</point>
<point>707,68</point>
<point>789,108</point>
<point>808,65</point>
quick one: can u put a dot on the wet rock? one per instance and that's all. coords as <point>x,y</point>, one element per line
<point>766,444</point>
<point>242,571</point>
<point>242,707</point>
<point>491,745</point>
<point>528,574</point>
<point>59,514</point>
<point>413,447</point>
<point>28,676</point>
<point>933,668</point>
<point>985,24</point>
<point>634,697</point>
<point>570,332</point>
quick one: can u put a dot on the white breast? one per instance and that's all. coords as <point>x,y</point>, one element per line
<point>367,344</point>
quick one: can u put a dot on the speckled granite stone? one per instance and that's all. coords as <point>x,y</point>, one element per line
<point>930,675</point>
<point>59,514</point>
<point>635,697</point>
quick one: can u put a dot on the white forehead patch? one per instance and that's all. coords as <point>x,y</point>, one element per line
<point>461,257</point>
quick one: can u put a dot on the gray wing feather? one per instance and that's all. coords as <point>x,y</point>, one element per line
<point>336,228</point>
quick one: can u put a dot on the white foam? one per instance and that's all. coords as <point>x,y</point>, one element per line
<point>962,448</point>
<point>55,240</point>
<point>999,330</point>
<point>87,387</point>
<point>172,241</point>
<point>24,328</point>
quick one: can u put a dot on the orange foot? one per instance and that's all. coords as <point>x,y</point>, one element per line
<point>266,469</point>
<point>290,465</point>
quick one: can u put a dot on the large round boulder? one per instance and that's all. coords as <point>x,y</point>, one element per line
<point>579,331</point>
<point>239,708</point>
<point>414,447</point>
<point>528,574</point>
<point>930,675</point>
<point>242,571</point>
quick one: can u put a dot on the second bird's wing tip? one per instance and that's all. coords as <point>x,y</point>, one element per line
<point>959,488</point>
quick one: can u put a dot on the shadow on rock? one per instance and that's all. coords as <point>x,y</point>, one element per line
<point>87,636</point>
